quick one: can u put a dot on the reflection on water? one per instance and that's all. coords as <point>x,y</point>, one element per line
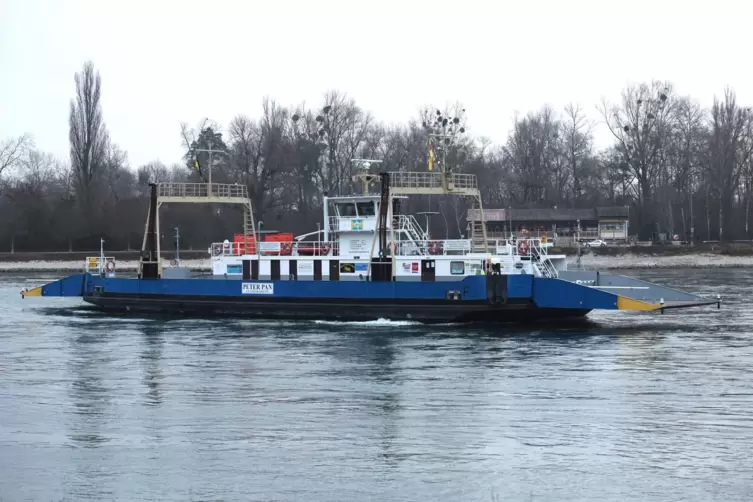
<point>623,406</point>
<point>151,355</point>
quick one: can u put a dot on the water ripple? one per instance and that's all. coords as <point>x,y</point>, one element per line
<point>623,406</point>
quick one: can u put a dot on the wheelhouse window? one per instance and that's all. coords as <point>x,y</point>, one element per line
<point>457,267</point>
<point>346,210</point>
<point>365,209</point>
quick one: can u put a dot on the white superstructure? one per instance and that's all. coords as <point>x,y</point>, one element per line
<point>349,239</point>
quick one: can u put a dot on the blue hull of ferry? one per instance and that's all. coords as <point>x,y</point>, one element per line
<point>508,298</point>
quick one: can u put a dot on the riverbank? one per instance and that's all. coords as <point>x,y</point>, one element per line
<point>589,261</point>
<point>644,261</point>
<point>198,265</point>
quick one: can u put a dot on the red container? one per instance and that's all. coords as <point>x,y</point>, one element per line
<point>240,241</point>
<point>280,237</point>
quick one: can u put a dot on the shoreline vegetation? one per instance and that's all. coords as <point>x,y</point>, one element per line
<point>704,256</point>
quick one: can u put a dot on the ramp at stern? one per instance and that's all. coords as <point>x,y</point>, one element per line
<point>636,294</point>
<point>604,292</point>
<point>73,285</point>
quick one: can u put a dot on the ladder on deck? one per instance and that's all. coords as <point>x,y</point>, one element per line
<point>479,241</point>
<point>248,228</point>
<point>411,227</point>
<point>544,265</point>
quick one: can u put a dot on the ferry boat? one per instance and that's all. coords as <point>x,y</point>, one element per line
<point>369,261</point>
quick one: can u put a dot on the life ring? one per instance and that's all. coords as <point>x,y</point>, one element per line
<point>324,249</point>
<point>286,248</point>
<point>110,266</point>
<point>523,247</point>
<point>435,247</point>
<point>217,249</point>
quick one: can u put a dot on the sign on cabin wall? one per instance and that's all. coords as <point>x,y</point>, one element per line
<point>410,268</point>
<point>356,224</point>
<point>352,268</point>
<point>347,268</point>
<point>357,245</point>
<point>234,269</point>
<point>305,267</point>
<point>269,247</point>
<point>457,246</point>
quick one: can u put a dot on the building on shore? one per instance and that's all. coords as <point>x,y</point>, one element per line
<point>610,224</point>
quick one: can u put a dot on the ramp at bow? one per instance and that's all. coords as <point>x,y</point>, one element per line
<point>595,290</point>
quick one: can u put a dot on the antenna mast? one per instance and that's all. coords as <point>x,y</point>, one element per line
<point>443,133</point>
<point>364,177</point>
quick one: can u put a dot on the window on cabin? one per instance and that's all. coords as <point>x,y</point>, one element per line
<point>346,210</point>
<point>457,267</point>
<point>365,209</point>
<point>612,226</point>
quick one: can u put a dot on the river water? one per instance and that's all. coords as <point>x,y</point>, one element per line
<point>631,406</point>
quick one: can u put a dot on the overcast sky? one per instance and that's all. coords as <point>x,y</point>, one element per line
<point>166,62</point>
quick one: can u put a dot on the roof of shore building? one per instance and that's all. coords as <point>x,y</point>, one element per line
<point>552,215</point>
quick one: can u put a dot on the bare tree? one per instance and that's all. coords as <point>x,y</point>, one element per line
<point>530,155</point>
<point>641,125</point>
<point>12,150</point>
<point>730,148</point>
<point>577,132</point>
<point>343,130</point>
<point>258,154</point>
<point>690,138</point>
<point>670,159</point>
<point>88,135</point>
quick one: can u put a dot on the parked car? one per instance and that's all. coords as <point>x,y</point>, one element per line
<point>597,243</point>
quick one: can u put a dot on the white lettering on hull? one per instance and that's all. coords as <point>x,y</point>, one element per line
<point>258,288</point>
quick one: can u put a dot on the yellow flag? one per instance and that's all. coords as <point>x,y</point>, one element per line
<point>196,164</point>
<point>431,156</point>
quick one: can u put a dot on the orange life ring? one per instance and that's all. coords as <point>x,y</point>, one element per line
<point>110,266</point>
<point>324,249</point>
<point>286,248</point>
<point>523,247</point>
<point>435,247</point>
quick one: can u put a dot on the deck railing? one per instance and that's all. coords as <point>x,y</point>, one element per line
<point>292,248</point>
<point>433,180</point>
<point>445,247</point>
<point>98,265</point>
<point>198,190</point>
<point>402,222</point>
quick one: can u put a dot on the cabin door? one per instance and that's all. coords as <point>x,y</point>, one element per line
<point>317,270</point>
<point>428,271</point>
<point>334,270</point>
<point>274,266</point>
